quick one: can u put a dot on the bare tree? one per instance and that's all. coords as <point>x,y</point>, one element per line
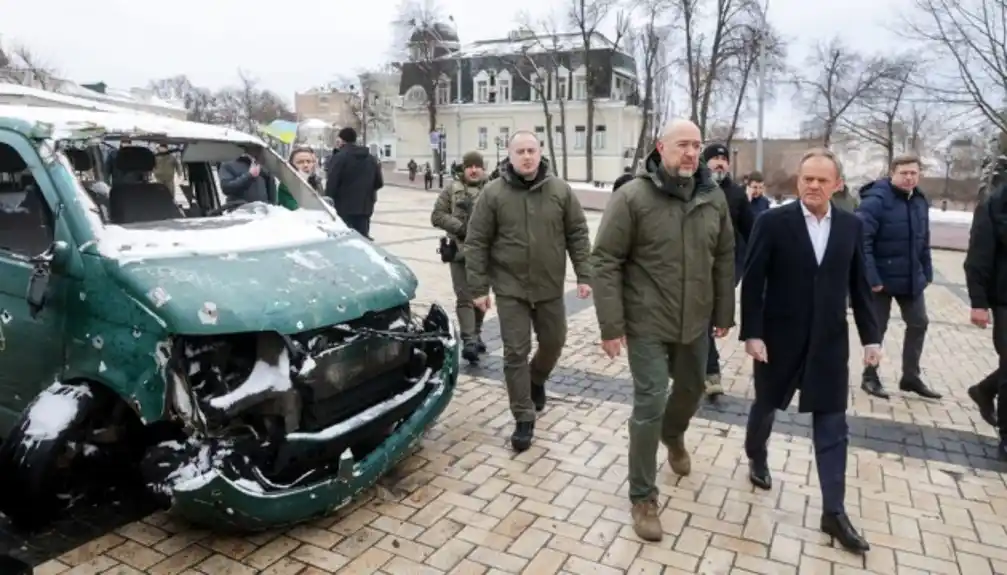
<point>707,55</point>
<point>418,25</point>
<point>586,17</point>
<point>839,78</point>
<point>200,103</point>
<point>971,34</point>
<point>25,66</point>
<point>650,47</point>
<point>892,118</point>
<point>538,64</point>
<point>744,63</point>
<point>247,106</point>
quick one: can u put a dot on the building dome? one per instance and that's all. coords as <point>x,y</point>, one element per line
<point>440,32</point>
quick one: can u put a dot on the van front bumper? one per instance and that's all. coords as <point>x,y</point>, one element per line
<point>222,499</point>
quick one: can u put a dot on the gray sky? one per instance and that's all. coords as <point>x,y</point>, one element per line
<point>125,43</point>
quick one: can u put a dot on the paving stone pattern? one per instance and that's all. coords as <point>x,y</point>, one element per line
<point>923,481</point>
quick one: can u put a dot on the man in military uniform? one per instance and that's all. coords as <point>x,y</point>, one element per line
<point>451,214</point>
<point>663,266</point>
<point>520,232</point>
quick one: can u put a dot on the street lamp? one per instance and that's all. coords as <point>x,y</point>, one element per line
<point>763,33</point>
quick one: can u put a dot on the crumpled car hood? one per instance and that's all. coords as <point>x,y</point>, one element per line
<point>287,290</point>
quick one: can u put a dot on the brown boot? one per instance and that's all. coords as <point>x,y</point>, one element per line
<point>646,521</point>
<point>678,457</point>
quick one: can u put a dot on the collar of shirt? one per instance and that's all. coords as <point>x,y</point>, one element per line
<point>808,214</point>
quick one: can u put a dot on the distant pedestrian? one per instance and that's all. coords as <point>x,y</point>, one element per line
<point>896,219</point>
<point>353,182</point>
<point>626,176</point>
<point>755,187</point>
<point>428,177</point>
<point>166,167</point>
<point>845,200</point>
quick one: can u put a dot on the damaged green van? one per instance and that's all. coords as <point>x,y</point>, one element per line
<point>260,365</point>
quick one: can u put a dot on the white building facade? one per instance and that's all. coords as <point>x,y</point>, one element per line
<point>486,92</point>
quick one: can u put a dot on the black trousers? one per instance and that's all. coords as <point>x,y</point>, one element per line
<point>995,384</point>
<point>830,437</point>
<point>713,359</point>
<point>362,224</point>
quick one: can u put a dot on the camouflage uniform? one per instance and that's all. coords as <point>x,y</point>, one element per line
<point>451,214</point>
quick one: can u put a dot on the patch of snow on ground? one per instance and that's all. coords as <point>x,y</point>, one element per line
<point>264,378</point>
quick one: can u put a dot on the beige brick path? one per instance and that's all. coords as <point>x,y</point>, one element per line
<point>921,481</point>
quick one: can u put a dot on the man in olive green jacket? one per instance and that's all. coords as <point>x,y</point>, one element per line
<point>524,224</point>
<point>663,265</point>
<point>451,214</point>
<point>845,200</point>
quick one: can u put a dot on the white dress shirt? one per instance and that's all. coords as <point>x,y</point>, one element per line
<point>818,230</point>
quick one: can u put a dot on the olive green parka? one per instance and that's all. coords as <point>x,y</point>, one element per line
<point>663,259</point>
<point>520,233</point>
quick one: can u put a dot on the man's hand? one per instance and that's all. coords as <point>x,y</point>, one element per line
<point>756,348</point>
<point>613,347</point>
<point>483,303</point>
<point>720,332</point>
<point>583,291</point>
<point>877,289</point>
<point>979,317</point>
<point>254,169</point>
<point>872,355</point>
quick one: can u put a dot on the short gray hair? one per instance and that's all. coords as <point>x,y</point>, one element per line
<point>822,153</point>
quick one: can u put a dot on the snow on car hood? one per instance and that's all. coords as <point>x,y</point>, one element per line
<point>252,227</point>
<point>268,271</point>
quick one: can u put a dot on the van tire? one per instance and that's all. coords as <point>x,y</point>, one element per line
<point>29,495</point>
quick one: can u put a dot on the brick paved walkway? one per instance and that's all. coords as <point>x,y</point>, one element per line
<point>922,479</point>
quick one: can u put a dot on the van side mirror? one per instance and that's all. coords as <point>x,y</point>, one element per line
<point>55,257</point>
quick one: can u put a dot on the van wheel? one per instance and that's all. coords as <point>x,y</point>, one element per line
<point>39,457</point>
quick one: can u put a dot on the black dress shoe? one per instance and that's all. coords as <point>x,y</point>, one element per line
<point>538,396</point>
<point>838,527</point>
<point>481,345</point>
<point>916,385</point>
<point>524,432</point>
<point>758,474</point>
<point>872,385</point>
<point>985,403</point>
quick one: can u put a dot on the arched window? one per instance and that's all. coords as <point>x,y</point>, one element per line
<point>416,96</point>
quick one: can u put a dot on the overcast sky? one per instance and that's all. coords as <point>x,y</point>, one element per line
<point>125,43</point>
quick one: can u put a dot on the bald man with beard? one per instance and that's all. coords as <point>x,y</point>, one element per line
<point>663,265</point>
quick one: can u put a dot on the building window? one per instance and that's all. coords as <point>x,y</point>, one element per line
<point>579,133</point>
<point>482,91</point>
<point>540,134</point>
<point>559,129</point>
<point>562,92</point>
<point>504,136</point>
<point>483,137</point>
<point>580,88</point>
<point>443,93</point>
<point>503,89</point>
<point>599,137</point>
<point>537,84</point>
<point>388,150</point>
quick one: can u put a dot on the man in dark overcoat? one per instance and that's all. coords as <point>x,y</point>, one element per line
<point>804,261</point>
